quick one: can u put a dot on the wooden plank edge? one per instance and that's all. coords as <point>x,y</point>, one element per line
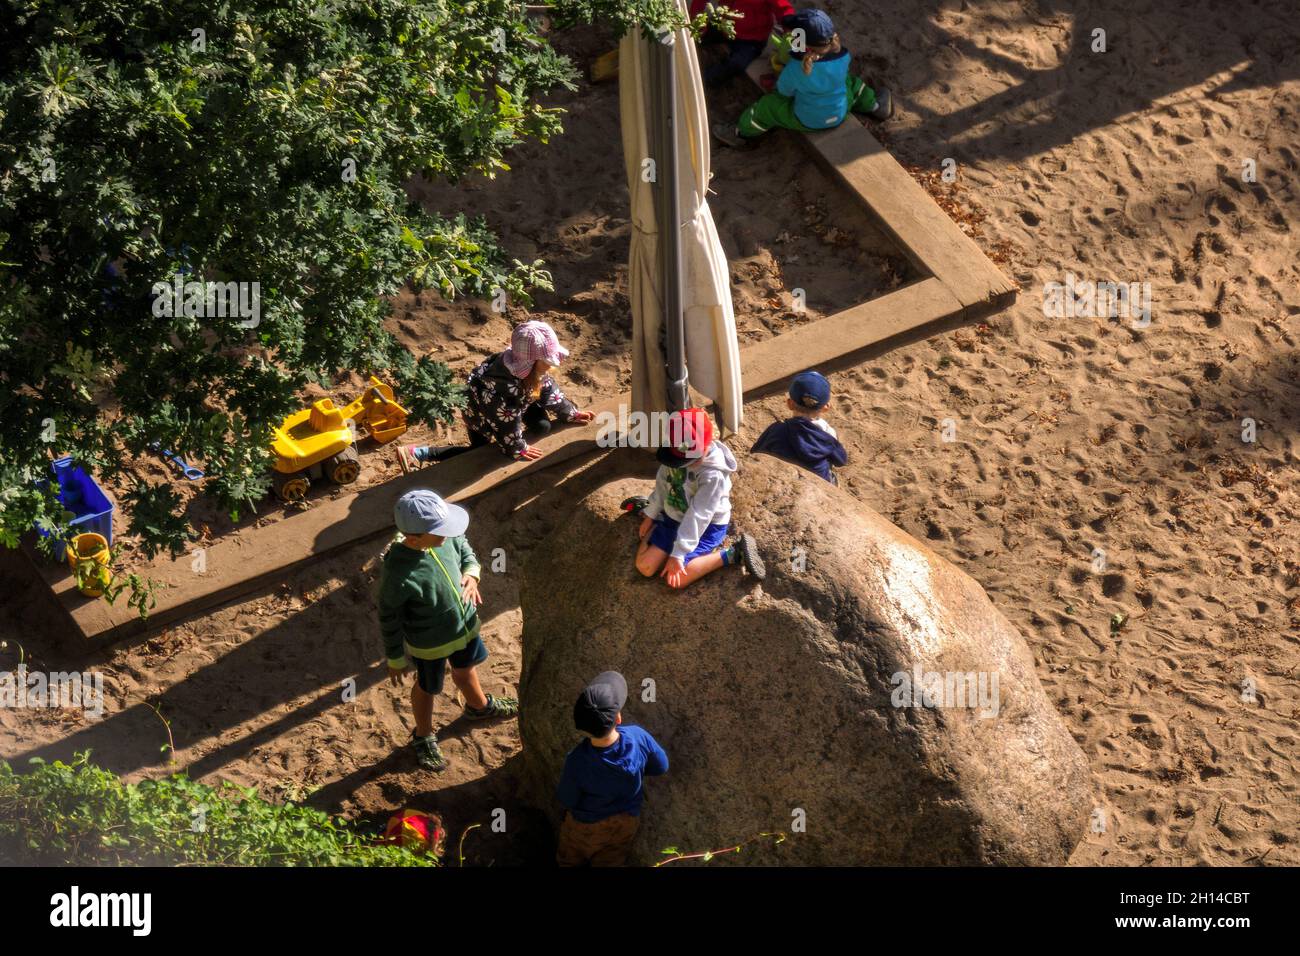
<point>331,525</point>
<point>925,234</point>
<point>887,318</point>
<point>963,266</point>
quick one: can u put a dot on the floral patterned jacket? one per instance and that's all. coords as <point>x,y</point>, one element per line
<point>497,400</point>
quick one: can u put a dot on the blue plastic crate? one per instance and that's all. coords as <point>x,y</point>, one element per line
<point>81,495</point>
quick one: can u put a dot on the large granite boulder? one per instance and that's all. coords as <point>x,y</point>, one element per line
<point>868,697</point>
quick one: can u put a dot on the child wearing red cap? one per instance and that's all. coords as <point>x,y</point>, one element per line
<point>752,27</point>
<point>511,395</point>
<point>687,516</point>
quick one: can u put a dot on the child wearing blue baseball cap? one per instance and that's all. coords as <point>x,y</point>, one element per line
<point>428,615</point>
<point>814,91</point>
<point>806,439</point>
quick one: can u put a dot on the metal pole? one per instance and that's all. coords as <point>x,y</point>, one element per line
<point>669,215</point>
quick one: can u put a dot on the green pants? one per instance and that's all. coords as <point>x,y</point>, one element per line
<point>773,109</point>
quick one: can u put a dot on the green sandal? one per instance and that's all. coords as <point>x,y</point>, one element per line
<point>427,752</point>
<point>496,707</point>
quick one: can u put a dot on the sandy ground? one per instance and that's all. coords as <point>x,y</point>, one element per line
<point>1072,434</point>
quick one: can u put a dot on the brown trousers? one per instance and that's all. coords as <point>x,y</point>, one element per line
<point>604,843</point>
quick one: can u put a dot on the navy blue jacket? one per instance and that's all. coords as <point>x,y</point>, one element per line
<point>599,782</point>
<point>799,441</point>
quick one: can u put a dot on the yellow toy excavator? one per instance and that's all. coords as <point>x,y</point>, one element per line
<point>321,440</point>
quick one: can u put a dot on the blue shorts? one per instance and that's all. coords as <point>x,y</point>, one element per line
<point>664,535</point>
<point>430,674</point>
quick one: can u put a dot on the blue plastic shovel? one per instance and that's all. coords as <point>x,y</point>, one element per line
<point>189,471</point>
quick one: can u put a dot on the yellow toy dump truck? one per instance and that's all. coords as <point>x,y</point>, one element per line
<point>321,440</point>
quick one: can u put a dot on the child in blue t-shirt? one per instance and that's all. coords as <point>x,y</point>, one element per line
<point>601,785</point>
<point>815,91</point>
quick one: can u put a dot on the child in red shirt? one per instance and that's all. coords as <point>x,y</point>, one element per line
<point>752,31</point>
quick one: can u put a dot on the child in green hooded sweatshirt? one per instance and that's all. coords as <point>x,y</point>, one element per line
<point>428,615</point>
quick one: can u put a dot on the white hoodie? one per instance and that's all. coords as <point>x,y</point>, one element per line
<point>696,496</point>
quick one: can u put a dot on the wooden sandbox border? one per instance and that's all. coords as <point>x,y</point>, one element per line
<point>961,283</point>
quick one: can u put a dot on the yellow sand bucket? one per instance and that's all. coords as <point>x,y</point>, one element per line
<point>88,556</point>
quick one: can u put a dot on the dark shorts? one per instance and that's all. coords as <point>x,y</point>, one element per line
<point>664,535</point>
<point>430,674</point>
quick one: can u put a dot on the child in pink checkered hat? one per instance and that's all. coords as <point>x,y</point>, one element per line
<point>510,396</point>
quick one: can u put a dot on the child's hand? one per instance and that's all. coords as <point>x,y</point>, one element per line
<point>674,572</point>
<point>583,417</point>
<point>469,590</point>
<point>395,674</point>
<point>529,453</point>
<point>646,525</point>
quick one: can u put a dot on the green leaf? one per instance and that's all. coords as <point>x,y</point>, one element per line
<point>132,163</point>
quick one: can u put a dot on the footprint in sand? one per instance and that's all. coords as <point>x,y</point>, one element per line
<point>1140,209</point>
<point>1146,731</point>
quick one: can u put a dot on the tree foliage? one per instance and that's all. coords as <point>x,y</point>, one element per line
<point>240,141</point>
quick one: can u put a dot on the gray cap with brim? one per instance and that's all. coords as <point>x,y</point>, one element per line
<point>596,709</point>
<point>425,512</point>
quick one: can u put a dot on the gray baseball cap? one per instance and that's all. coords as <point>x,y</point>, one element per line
<point>424,512</point>
<point>598,705</point>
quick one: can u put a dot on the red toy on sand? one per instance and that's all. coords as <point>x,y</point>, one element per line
<point>419,832</point>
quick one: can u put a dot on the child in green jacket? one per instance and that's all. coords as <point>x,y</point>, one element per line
<point>428,615</point>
